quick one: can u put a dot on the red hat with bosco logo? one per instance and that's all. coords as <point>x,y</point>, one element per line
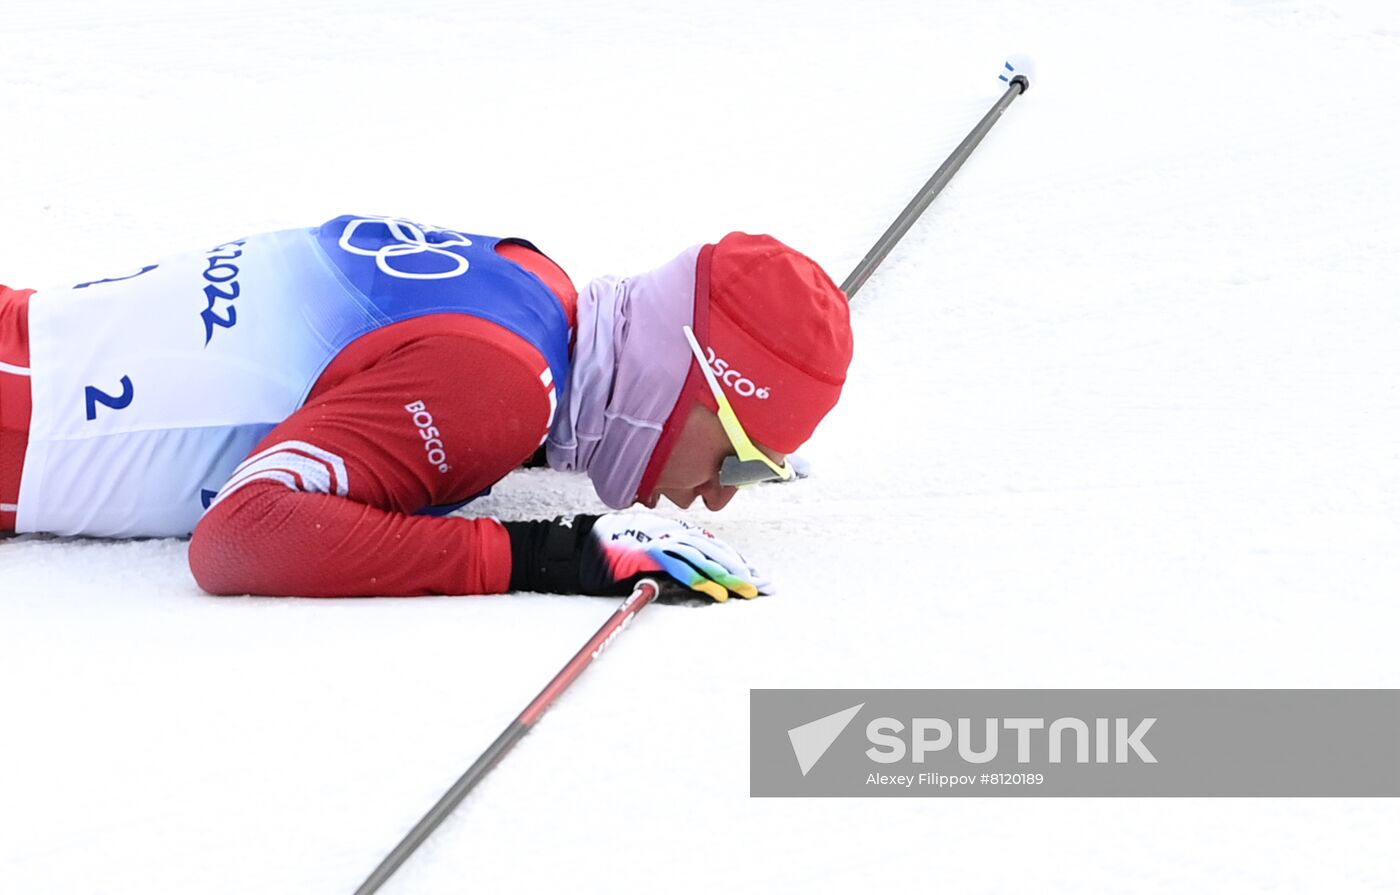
<point>777,333</point>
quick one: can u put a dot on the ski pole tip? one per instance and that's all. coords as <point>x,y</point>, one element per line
<point>1019,68</point>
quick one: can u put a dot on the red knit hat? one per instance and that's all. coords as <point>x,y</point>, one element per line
<point>777,332</point>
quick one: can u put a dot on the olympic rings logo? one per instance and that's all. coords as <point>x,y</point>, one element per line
<point>412,240</point>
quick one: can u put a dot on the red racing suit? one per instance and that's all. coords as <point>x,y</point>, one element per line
<point>475,382</point>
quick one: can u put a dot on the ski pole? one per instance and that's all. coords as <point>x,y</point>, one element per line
<point>1016,85</point>
<point>645,591</point>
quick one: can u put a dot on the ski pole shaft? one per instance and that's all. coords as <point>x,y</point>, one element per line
<point>1018,85</point>
<point>645,591</point>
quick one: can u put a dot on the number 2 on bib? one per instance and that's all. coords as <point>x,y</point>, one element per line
<point>95,396</point>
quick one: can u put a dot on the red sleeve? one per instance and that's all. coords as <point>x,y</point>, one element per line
<point>426,412</point>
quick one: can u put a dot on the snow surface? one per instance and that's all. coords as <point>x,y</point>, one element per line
<point>1124,413</point>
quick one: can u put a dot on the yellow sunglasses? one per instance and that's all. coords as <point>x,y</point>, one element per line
<point>748,465</point>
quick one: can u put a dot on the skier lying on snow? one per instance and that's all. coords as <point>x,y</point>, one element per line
<point>310,403</point>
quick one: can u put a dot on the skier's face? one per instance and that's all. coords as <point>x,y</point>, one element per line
<point>692,469</point>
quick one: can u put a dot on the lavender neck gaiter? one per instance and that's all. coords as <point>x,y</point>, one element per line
<point>629,364</point>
